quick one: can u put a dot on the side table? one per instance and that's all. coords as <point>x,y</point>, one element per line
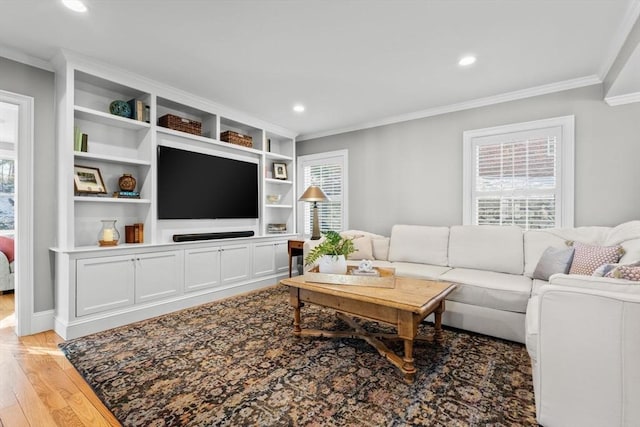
<point>295,247</point>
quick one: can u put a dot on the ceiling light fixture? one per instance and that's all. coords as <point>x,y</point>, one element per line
<point>298,108</point>
<point>467,60</point>
<point>75,5</point>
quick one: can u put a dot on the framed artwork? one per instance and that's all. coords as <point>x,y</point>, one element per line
<point>280,171</point>
<point>88,180</point>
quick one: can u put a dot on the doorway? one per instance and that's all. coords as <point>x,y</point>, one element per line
<point>16,208</point>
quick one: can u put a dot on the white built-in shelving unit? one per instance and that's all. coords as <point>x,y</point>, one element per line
<point>100,287</point>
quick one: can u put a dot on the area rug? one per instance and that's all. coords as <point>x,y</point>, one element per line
<point>236,363</point>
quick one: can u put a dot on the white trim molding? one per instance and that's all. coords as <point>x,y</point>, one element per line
<point>16,55</point>
<point>480,102</point>
<point>24,290</point>
<point>628,98</point>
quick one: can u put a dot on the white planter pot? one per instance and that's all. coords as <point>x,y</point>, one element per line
<point>332,264</point>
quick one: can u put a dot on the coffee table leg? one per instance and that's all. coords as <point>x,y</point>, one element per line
<point>437,336</point>
<point>295,303</point>
<point>408,368</point>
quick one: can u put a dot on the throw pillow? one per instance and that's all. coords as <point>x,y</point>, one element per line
<point>380,248</point>
<point>587,258</point>
<point>7,248</point>
<point>605,269</point>
<point>363,247</point>
<point>552,261</point>
<point>629,272</point>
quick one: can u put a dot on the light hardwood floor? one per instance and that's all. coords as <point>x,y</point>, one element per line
<point>38,386</point>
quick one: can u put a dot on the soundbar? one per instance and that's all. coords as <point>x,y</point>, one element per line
<point>211,236</point>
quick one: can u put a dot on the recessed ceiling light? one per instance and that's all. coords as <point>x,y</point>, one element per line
<point>467,60</point>
<point>75,5</point>
<point>298,108</point>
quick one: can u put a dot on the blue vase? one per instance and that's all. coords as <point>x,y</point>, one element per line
<point>120,108</point>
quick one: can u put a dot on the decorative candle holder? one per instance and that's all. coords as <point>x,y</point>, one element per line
<point>108,235</point>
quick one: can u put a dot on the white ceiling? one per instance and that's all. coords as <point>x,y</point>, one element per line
<point>351,63</point>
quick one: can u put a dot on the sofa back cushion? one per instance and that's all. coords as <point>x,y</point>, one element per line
<point>626,235</point>
<point>487,247</point>
<point>419,244</point>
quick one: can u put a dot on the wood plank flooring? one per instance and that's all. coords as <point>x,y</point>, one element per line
<point>38,385</point>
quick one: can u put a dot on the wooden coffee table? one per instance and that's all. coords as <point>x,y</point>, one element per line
<point>404,306</point>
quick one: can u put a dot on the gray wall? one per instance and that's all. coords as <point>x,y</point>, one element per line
<point>411,172</point>
<point>39,84</point>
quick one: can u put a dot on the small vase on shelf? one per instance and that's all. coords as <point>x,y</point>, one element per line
<point>108,235</point>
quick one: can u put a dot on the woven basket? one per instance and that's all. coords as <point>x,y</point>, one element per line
<point>236,138</point>
<point>179,123</point>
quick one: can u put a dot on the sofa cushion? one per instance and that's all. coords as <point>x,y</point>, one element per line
<point>628,236</point>
<point>419,244</point>
<point>487,247</point>
<point>500,291</point>
<point>552,261</point>
<point>587,258</point>
<point>419,271</point>
<point>380,248</point>
<point>535,243</point>
<point>364,249</point>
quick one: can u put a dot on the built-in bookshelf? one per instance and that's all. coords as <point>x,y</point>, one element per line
<point>117,145</point>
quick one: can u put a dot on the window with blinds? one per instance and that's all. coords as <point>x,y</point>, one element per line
<point>516,177</point>
<point>328,172</point>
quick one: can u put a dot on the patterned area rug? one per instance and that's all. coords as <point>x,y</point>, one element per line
<point>236,363</point>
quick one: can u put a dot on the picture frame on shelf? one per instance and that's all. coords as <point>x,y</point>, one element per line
<point>88,180</point>
<point>280,171</point>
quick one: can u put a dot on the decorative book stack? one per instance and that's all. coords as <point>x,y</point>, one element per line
<point>134,233</point>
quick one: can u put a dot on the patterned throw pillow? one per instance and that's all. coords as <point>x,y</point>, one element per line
<point>629,272</point>
<point>587,258</point>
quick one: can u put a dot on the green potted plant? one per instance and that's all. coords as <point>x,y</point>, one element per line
<point>331,254</point>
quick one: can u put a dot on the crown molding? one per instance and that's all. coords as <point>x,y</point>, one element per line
<point>622,99</point>
<point>467,105</point>
<point>620,37</point>
<point>16,55</point>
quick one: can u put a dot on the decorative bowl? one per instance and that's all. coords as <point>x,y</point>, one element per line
<point>273,198</point>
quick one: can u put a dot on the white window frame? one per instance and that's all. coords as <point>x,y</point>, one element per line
<point>565,178</point>
<point>341,156</point>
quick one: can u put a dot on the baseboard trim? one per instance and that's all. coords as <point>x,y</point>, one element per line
<point>113,319</point>
<point>42,321</point>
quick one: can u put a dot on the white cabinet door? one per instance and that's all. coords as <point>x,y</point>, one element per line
<point>282,257</point>
<point>201,268</point>
<point>158,275</point>
<point>264,259</point>
<point>235,263</point>
<point>104,284</point>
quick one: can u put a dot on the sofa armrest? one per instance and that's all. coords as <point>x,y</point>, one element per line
<point>5,273</point>
<point>596,283</point>
<point>588,345</point>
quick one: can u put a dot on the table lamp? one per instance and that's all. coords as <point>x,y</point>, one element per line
<point>314,194</point>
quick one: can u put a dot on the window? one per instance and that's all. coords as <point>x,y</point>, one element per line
<point>520,174</point>
<point>329,172</point>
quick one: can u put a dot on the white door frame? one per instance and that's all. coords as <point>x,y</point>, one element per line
<point>24,218</point>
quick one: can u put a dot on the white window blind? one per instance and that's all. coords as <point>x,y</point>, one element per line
<point>328,171</point>
<point>516,177</point>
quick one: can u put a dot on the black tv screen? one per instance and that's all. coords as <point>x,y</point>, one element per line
<point>201,186</point>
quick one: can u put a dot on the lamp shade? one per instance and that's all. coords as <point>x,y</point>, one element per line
<point>313,194</point>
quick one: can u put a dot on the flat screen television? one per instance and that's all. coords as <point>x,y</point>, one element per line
<point>202,186</point>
